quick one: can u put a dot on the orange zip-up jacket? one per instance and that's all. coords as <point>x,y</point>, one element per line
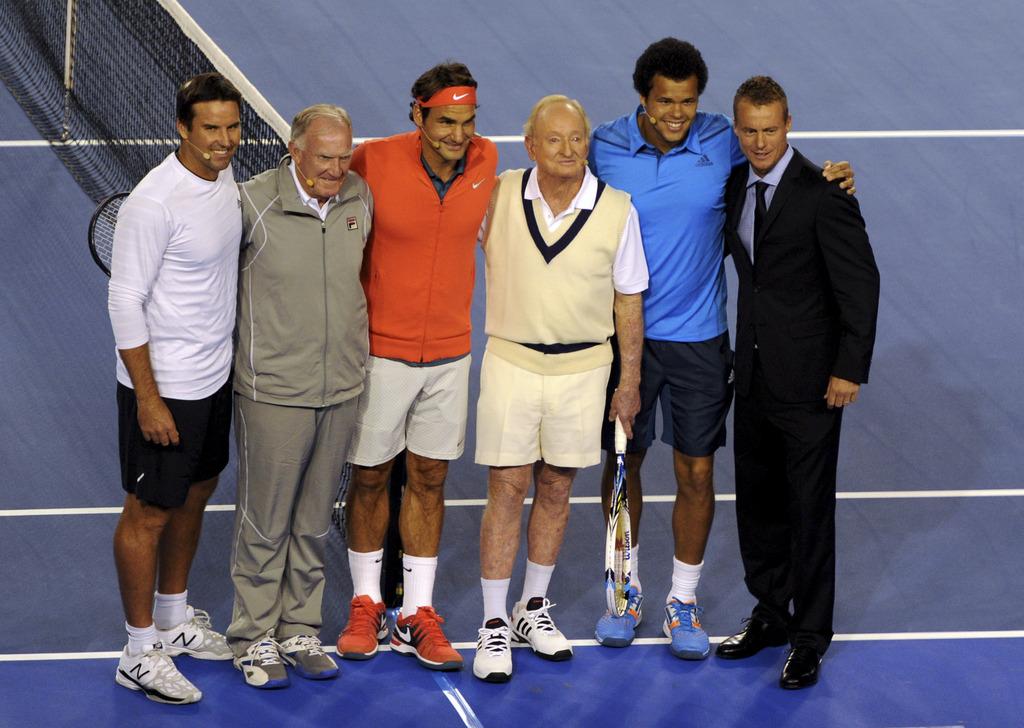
<point>419,265</point>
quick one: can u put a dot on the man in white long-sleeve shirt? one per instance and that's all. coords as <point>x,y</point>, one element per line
<point>171,300</point>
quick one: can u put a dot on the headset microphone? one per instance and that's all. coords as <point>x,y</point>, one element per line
<point>308,180</point>
<point>206,155</point>
<point>654,122</point>
<point>435,145</point>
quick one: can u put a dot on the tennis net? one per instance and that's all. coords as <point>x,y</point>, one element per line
<point>98,79</point>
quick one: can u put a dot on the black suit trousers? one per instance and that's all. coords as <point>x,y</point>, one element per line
<point>786,455</point>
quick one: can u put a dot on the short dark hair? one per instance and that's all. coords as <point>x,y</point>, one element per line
<point>760,91</point>
<point>672,58</point>
<point>204,87</point>
<point>443,75</point>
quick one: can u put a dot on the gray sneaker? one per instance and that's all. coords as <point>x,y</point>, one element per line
<point>261,664</point>
<point>305,653</point>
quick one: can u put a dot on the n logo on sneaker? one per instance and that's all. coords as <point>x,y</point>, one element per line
<point>137,672</point>
<point>182,641</point>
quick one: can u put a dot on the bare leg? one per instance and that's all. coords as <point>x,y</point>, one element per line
<point>136,541</point>
<point>550,513</point>
<point>694,507</point>
<point>181,538</point>
<point>422,516</point>
<point>500,526</point>
<point>367,507</point>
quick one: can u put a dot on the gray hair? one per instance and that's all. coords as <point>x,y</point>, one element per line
<point>555,99</point>
<point>302,120</point>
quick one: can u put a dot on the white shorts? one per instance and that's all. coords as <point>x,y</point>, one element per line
<point>522,417</point>
<point>422,409</point>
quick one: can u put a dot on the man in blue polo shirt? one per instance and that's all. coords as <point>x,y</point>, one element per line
<point>675,161</point>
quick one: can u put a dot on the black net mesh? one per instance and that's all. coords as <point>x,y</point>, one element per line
<point>129,57</point>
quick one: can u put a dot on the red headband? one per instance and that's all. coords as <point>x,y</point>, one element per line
<point>451,96</point>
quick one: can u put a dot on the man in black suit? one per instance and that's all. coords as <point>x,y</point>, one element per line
<point>808,302</point>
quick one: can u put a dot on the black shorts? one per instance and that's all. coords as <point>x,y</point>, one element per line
<point>693,383</point>
<point>162,475</point>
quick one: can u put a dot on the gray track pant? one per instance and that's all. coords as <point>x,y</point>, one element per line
<point>289,466</point>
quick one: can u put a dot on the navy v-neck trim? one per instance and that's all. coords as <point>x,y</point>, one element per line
<point>550,251</point>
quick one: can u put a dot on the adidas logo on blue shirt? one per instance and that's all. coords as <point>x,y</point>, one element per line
<point>704,161</point>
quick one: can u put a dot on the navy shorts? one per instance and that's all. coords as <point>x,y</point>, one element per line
<point>161,475</point>
<point>693,383</point>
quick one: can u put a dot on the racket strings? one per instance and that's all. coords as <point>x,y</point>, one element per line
<point>101,230</point>
<point>618,555</point>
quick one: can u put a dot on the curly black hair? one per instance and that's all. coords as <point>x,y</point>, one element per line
<point>443,75</point>
<point>672,58</point>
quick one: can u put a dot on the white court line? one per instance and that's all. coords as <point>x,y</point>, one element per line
<point>863,637</point>
<point>517,138</point>
<point>576,500</point>
<point>458,701</point>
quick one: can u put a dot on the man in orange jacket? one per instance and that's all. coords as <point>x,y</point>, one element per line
<point>431,188</point>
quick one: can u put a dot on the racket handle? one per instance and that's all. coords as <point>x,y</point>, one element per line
<point>620,437</point>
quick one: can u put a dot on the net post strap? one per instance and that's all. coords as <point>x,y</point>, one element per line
<point>225,66</point>
<point>69,64</point>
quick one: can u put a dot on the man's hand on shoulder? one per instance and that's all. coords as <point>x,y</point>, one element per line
<point>833,171</point>
<point>841,392</point>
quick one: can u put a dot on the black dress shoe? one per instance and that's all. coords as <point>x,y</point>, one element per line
<point>801,668</point>
<point>755,637</point>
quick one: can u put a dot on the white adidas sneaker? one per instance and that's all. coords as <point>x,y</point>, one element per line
<point>532,625</point>
<point>493,660</point>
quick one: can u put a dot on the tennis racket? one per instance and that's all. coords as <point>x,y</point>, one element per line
<point>101,230</point>
<point>618,540</point>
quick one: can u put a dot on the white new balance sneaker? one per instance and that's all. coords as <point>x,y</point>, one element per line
<point>195,637</point>
<point>532,625</point>
<point>493,661</point>
<point>155,674</point>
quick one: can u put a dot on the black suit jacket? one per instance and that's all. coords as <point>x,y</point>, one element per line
<point>810,298</point>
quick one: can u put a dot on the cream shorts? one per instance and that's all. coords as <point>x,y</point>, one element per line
<point>523,416</point>
<point>422,409</point>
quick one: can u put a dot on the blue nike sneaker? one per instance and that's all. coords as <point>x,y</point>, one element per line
<point>615,631</point>
<point>682,626</point>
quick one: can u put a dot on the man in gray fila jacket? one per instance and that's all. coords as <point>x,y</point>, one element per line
<point>302,345</point>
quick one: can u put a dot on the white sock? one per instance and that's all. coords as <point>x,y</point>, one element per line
<point>169,609</point>
<point>418,583</point>
<point>495,599</point>
<point>140,639</point>
<point>365,569</point>
<point>536,582</point>
<point>684,581</point>
<point>634,567</point>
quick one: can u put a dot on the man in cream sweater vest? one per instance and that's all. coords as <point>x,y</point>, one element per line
<point>565,271</point>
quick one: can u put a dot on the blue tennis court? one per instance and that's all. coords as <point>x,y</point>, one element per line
<point>920,96</point>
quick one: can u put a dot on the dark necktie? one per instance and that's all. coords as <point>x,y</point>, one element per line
<point>760,208</point>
